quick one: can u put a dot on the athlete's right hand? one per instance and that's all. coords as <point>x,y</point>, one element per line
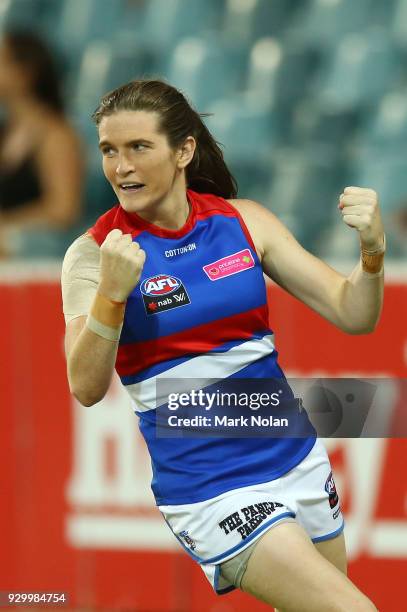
<point>121,264</point>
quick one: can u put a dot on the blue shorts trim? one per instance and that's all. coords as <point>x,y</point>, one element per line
<point>331,535</point>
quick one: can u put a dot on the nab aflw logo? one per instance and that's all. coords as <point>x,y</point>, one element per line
<point>163,292</point>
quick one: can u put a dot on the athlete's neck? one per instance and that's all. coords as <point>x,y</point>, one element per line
<point>170,213</point>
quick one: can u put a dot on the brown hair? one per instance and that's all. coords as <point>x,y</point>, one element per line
<point>31,53</point>
<point>207,172</point>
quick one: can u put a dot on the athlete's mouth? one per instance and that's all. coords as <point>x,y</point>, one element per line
<point>131,186</point>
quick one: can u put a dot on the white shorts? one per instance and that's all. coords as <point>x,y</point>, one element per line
<point>217,529</point>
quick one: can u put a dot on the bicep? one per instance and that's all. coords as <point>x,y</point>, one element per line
<point>293,268</point>
<point>304,276</point>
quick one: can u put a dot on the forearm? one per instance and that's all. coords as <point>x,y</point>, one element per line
<point>92,357</point>
<point>361,301</point>
<point>90,366</point>
<point>362,292</point>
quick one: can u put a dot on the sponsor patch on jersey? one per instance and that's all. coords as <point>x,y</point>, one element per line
<point>231,264</point>
<point>163,292</point>
<point>330,488</point>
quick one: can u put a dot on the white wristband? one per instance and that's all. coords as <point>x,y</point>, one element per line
<point>109,333</point>
<point>372,274</point>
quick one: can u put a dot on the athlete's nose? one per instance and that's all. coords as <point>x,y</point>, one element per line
<point>124,165</point>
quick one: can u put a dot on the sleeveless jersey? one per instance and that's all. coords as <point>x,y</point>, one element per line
<point>199,311</point>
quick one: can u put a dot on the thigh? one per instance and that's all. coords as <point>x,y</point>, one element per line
<point>287,572</point>
<point>334,551</point>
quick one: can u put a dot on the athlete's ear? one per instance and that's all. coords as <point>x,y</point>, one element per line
<point>186,152</point>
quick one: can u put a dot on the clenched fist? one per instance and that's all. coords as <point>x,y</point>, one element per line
<point>121,264</point>
<point>360,209</point>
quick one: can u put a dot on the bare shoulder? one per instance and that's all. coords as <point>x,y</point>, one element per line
<point>248,207</point>
<point>278,249</point>
<point>261,222</point>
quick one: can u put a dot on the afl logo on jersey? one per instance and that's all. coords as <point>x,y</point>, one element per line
<point>161,284</point>
<point>163,292</point>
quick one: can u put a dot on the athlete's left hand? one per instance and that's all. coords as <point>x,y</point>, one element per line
<point>360,209</point>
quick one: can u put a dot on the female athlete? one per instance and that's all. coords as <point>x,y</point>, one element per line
<point>169,283</point>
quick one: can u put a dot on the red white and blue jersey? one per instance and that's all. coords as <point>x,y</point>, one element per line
<point>198,311</point>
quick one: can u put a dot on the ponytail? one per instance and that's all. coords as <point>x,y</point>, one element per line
<point>208,172</point>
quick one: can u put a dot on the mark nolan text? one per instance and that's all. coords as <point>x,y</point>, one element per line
<point>252,421</point>
<point>224,421</point>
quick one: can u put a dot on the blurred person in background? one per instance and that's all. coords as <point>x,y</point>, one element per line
<point>258,514</point>
<point>398,226</point>
<point>41,160</point>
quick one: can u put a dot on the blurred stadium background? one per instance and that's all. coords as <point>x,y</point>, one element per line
<point>307,96</point>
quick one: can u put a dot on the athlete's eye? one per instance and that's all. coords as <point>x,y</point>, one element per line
<point>108,151</point>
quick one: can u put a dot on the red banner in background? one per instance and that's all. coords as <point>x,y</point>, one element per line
<point>77,512</point>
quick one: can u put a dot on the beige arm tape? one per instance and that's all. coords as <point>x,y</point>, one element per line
<point>80,277</point>
<point>106,317</point>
